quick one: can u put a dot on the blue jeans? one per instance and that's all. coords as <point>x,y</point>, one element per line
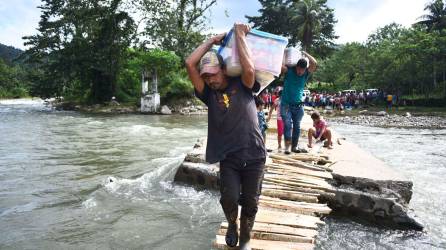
<point>292,115</point>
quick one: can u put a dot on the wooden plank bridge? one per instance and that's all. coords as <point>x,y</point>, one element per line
<point>289,209</point>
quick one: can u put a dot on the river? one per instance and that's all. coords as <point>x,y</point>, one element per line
<point>82,181</point>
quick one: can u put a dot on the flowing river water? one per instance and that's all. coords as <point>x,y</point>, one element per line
<point>80,181</point>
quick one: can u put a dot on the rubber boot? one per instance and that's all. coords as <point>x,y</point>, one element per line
<point>294,148</point>
<point>246,225</point>
<point>287,147</point>
<point>232,232</point>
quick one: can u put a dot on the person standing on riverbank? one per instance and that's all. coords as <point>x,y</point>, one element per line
<point>234,137</point>
<point>276,105</point>
<point>292,109</point>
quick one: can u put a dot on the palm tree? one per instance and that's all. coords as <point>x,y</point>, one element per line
<point>436,18</point>
<point>306,17</point>
<point>435,21</point>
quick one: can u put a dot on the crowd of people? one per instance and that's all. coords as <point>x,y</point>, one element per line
<point>346,99</point>
<point>336,101</point>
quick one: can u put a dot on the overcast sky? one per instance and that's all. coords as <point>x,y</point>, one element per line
<point>356,18</point>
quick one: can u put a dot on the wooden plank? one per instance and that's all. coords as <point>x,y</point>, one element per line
<point>294,206</point>
<point>294,174</point>
<point>310,157</point>
<point>292,169</point>
<point>293,187</point>
<point>298,178</point>
<point>294,196</point>
<point>294,183</point>
<point>279,229</point>
<point>265,244</point>
<point>302,164</point>
<point>285,189</point>
<point>280,208</point>
<point>260,235</point>
<point>302,203</point>
<point>287,219</point>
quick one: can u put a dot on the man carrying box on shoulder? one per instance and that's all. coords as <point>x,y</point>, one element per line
<point>234,137</point>
<point>291,108</point>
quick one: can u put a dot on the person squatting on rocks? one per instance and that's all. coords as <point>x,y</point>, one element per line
<point>320,131</point>
<point>234,137</point>
<point>291,108</point>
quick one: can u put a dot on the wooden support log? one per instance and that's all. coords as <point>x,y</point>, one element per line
<point>220,243</point>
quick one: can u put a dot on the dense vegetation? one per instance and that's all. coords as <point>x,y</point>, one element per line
<point>89,51</point>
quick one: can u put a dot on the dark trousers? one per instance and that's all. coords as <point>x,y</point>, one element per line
<point>240,183</point>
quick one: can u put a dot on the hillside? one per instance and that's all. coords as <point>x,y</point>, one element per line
<point>9,53</point>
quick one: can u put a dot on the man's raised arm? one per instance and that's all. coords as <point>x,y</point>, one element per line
<point>248,70</point>
<point>313,63</point>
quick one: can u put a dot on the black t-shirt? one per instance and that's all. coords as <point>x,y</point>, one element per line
<point>233,127</point>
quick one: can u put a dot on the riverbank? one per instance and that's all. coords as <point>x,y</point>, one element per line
<point>185,106</point>
<point>402,117</point>
<point>386,120</point>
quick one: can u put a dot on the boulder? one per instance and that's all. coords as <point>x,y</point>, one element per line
<point>165,110</point>
<point>381,113</point>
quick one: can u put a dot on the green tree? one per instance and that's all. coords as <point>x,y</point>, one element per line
<point>176,25</point>
<point>436,17</point>
<point>345,68</point>
<point>173,80</point>
<point>309,22</point>
<point>435,21</point>
<point>12,81</point>
<point>80,48</point>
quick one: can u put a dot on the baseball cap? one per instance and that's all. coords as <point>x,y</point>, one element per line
<point>209,63</point>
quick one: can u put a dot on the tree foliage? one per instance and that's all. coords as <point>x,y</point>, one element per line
<point>308,22</point>
<point>176,25</point>
<point>173,82</point>
<point>396,59</point>
<point>80,47</point>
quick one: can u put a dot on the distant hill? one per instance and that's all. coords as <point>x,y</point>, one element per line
<point>9,53</point>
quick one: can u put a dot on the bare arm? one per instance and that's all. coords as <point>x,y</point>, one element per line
<point>270,112</point>
<point>313,63</point>
<point>248,70</point>
<point>284,69</point>
<point>321,133</point>
<point>194,58</point>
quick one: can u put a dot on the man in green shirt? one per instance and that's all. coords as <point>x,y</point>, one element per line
<point>291,108</point>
